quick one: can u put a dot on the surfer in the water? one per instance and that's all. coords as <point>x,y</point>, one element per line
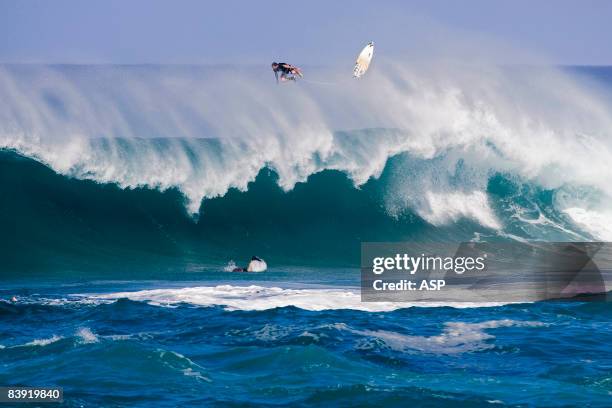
<point>255,265</point>
<point>288,72</point>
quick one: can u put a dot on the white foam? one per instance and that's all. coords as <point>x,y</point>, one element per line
<point>598,223</point>
<point>190,372</point>
<point>231,265</point>
<point>177,361</point>
<point>457,337</point>
<point>43,342</point>
<point>86,336</point>
<point>442,208</point>
<point>520,214</point>
<point>257,265</point>
<point>270,332</point>
<point>123,337</point>
<point>262,298</point>
<point>253,266</point>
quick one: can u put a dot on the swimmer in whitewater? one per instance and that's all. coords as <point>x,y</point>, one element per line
<point>288,72</point>
<point>255,265</point>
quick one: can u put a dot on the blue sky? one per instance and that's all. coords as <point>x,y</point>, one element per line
<point>310,32</point>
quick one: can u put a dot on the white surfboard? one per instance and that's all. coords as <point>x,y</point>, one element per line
<point>363,60</point>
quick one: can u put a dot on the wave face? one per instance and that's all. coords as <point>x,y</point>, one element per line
<point>54,223</point>
<point>120,168</point>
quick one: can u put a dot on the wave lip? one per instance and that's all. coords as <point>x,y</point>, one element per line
<point>263,298</point>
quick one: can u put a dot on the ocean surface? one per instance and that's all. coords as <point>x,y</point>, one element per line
<point>129,193</point>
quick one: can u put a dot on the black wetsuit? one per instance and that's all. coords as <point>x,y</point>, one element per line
<point>284,68</point>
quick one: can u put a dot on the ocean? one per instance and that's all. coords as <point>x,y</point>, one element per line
<point>129,193</point>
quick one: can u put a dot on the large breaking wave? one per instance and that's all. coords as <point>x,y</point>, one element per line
<point>438,152</point>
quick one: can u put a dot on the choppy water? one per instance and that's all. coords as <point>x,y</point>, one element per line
<point>160,351</point>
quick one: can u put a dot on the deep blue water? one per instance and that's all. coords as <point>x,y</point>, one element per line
<point>133,353</point>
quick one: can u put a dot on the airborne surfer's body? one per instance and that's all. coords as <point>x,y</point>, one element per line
<point>288,72</point>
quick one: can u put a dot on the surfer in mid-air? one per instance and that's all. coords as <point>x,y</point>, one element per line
<point>288,72</point>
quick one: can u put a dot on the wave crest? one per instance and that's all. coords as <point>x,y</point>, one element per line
<point>205,130</point>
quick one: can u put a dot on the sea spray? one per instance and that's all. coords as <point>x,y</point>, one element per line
<point>105,124</point>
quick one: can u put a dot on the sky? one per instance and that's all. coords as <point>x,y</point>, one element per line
<point>313,32</point>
